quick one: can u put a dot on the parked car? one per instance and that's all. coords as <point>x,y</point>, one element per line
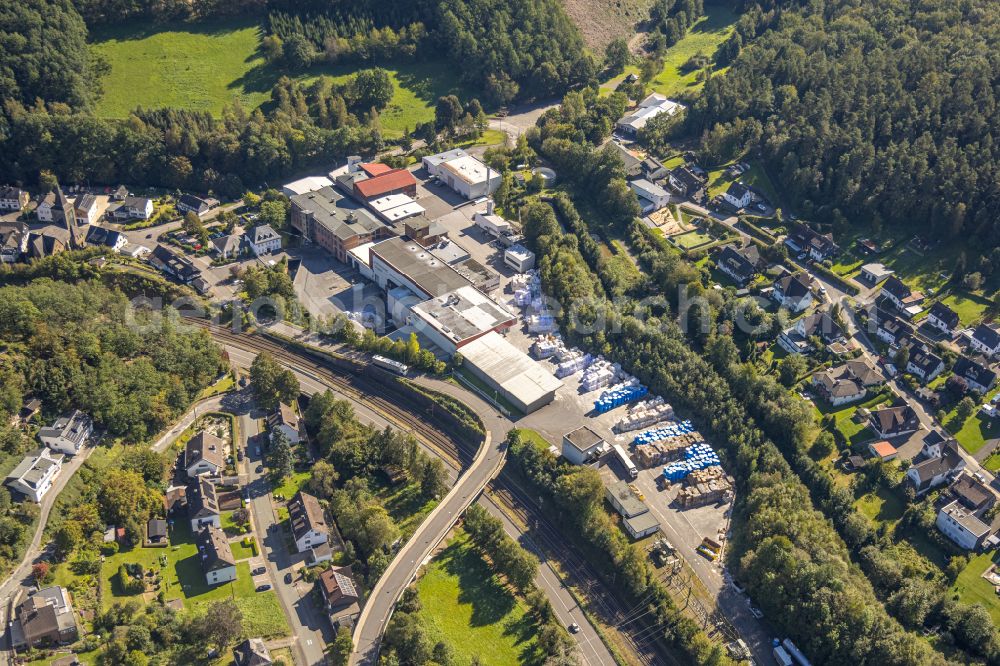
<point>288,577</point>
<point>574,628</point>
<point>260,469</point>
<point>264,588</point>
<point>258,571</point>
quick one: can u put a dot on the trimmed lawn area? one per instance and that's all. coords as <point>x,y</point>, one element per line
<point>691,239</point>
<point>241,552</point>
<point>881,506</point>
<point>208,64</point>
<point>464,604</point>
<point>975,431</point>
<point>755,177</point>
<point>853,432</point>
<point>973,588</point>
<point>225,384</point>
<point>969,308</point>
<point>705,37</point>
<point>292,484</point>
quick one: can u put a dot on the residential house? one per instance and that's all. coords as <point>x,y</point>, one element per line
<point>904,298</point>
<point>875,273</point>
<point>156,531</point>
<point>633,165</point>
<point>34,475</point>
<point>977,376</point>
<point>847,383</point>
<point>738,195</point>
<point>45,618</point>
<point>99,236</point>
<point>883,450</point>
<point>217,559</point>
<point>340,596</point>
<point>582,445</point>
<point>653,169</point>
<point>189,203</point>
<point>13,198</point>
<point>85,207</point>
<point>686,183</point>
<point>890,422</point>
<point>986,340</point>
<point>131,208</point>
<point>933,472</point>
<point>30,408</point>
<point>962,526</point>
<point>120,193</point>
<point>652,197</point>
<point>45,211</point>
<point>204,454</point>
<point>264,240</point>
<point>203,504</point>
<point>934,444</point>
<point>309,526</point>
<point>13,241</point>
<point>68,433</point>
<point>174,265</point>
<point>973,494</point>
<point>796,339</point>
<point>654,105</point>
<point>944,319</point>
<point>286,421</point>
<point>818,246</point>
<point>252,652</point>
<point>793,292</point>
<point>227,247</point>
<point>742,265</point>
<point>892,330</point>
<point>924,363</point>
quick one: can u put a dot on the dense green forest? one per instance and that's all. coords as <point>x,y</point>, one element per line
<point>82,346</point>
<point>874,112</point>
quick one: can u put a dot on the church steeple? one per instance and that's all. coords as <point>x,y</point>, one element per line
<point>68,213</point>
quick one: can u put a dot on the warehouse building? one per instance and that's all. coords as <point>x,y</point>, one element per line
<point>636,517</point>
<point>457,318</point>
<point>463,173</point>
<point>510,372</point>
<point>334,222</point>
<point>399,263</point>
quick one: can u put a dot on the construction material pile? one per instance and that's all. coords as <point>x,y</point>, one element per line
<point>705,486</point>
<point>696,456</point>
<point>662,452</point>
<point>599,374</point>
<point>645,414</point>
<point>620,394</point>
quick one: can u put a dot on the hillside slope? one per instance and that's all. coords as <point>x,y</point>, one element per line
<point>600,21</point>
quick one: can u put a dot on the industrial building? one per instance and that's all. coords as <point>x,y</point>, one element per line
<point>582,445</point>
<point>463,173</point>
<point>519,258</point>
<point>395,207</point>
<point>334,222</point>
<point>510,372</point>
<point>455,319</point>
<point>399,263</point>
<point>636,517</point>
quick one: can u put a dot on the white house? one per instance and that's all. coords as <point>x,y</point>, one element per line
<point>264,240</point>
<point>34,475</point>
<point>203,504</point>
<point>738,195</point>
<point>582,445</point>
<point>848,382</point>
<point>977,376</point>
<point>904,298</point>
<point>309,526</point>
<point>793,292</point>
<point>189,203</point>
<point>45,210</point>
<point>875,273</point>
<point>227,246</point>
<point>962,526</point>
<point>943,318</point>
<point>204,454</point>
<point>985,340</point>
<point>797,338</point>
<point>68,433</point>
<point>936,471</point>
<point>463,173</point>
<point>651,196</point>
<point>286,421</point>
<point>86,209</point>
<point>217,559</point>
<point>654,105</point>
<point>101,237</point>
<point>923,363</point>
<point>132,208</point>
<point>13,198</point>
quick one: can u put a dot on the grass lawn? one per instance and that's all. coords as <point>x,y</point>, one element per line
<point>225,384</point>
<point>881,506</point>
<point>993,462</point>
<point>755,177</point>
<point>206,65</point>
<point>241,552</point>
<point>969,308</point>
<point>535,438</point>
<point>465,605</point>
<point>973,588</point>
<point>292,484</point>
<point>975,431</point>
<point>691,239</point>
<point>853,432</point>
<point>705,36</point>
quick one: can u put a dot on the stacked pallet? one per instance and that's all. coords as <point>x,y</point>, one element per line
<point>645,414</point>
<point>715,491</point>
<point>661,452</point>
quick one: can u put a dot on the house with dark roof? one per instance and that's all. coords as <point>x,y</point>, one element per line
<point>793,292</point>
<point>99,236</point>
<point>818,246</point>
<point>986,340</point>
<point>13,198</point>
<point>891,422</point>
<point>738,195</point>
<point>892,330</point>
<point>977,376</point>
<point>68,433</point>
<point>264,240</point>
<point>943,318</point>
<point>47,242</point>
<point>217,561</point>
<point>204,454</point>
<point>796,339</point>
<point>252,652</point>
<point>633,165</point>
<point>202,504</point>
<point>13,241</point>
<point>156,532</point>
<point>741,264</point>
<point>937,471</point>
<point>45,618</point>
<point>340,596</point>
<point>309,526</point>
<point>228,246</point>
<point>653,169</point>
<point>686,183</point>
<point>285,420</point>
<point>174,265</point>
<point>189,203</point>
<point>85,208</point>
<point>924,363</point>
<point>905,299</point>
<point>973,494</point>
<point>847,383</point>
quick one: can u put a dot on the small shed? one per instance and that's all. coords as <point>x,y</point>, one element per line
<point>156,531</point>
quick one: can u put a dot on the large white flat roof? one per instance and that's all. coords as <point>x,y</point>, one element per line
<point>467,168</point>
<point>462,314</point>
<point>390,201</point>
<point>307,184</point>
<point>513,370</point>
<point>362,253</point>
<point>402,212</point>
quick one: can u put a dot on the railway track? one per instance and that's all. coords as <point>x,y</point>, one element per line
<point>501,491</point>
